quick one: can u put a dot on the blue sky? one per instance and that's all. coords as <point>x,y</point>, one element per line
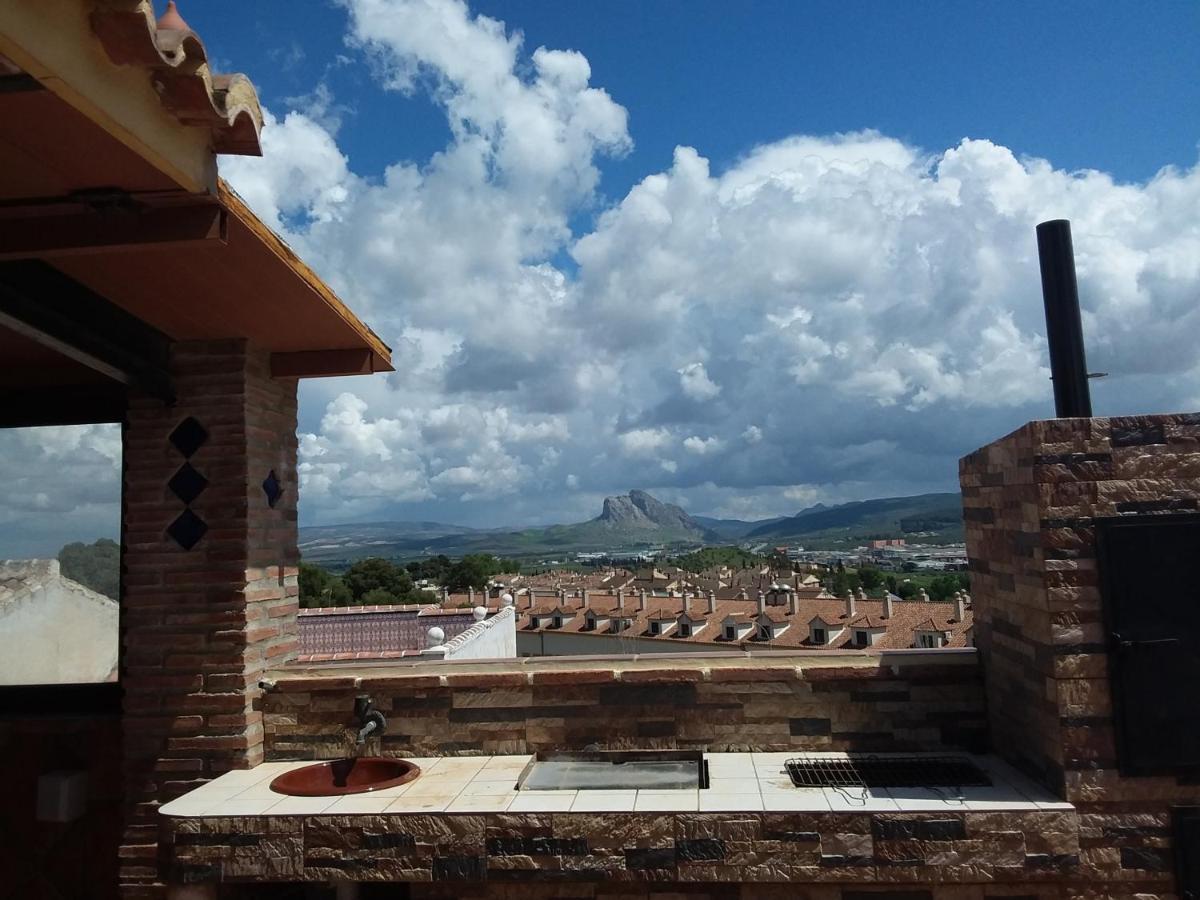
<point>748,257</point>
<point>1107,86</point>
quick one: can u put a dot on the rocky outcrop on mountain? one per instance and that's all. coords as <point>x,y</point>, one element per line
<point>639,510</point>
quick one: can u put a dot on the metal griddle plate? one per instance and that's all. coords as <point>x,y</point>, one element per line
<point>656,770</point>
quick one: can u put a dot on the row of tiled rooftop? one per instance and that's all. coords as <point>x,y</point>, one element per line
<point>661,578</point>
<point>780,619</point>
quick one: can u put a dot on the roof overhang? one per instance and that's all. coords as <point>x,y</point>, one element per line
<point>108,134</point>
<point>54,42</point>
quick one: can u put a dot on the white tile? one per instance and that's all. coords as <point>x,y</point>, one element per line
<point>973,799</point>
<point>392,792</point>
<point>769,784</point>
<point>216,790</point>
<point>796,800</point>
<point>860,800</point>
<point>770,763</point>
<point>425,763</point>
<point>604,801</point>
<point>667,801</point>
<point>470,764</point>
<point>732,765</point>
<point>186,805</point>
<point>264,770</point>
<point>359,805</point>
<point>257,792</point>
<point>435,789</point>
<point>302,806</point>
<point>479,788</point>
<point>544,801</point>
<point>237,807</point>
<point>487,803</point>
<point>733,785</point>
<point>1003,774</point>
<point>507,763</point>
<point>1050,806</point>
<point>993,799</point>
<point>427,803</point>
<point>912,799</point>
<point>710,801</point>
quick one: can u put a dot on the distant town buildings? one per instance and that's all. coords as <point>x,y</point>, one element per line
<point>895,555</point>
<point>652,610</point>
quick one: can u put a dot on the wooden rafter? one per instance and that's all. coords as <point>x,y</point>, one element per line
<point>91,231</point>
<point>73,405</point>
<point>322,363</point>
<point>44,305</point>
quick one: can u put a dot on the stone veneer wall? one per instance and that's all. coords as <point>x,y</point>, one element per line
<point>872,705</point>
<point>514,855</point>
<point>200,626</point>
<point>1029,503</point>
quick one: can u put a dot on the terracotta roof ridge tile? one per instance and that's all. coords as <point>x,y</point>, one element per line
<point>226,103</point>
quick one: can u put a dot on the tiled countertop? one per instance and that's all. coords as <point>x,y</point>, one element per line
<point>738,782</point>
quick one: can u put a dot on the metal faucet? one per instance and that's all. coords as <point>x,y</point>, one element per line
<point>369,717</point>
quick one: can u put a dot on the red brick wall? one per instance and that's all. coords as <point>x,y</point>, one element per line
<point>1029,503</point>
<point>199,626</point>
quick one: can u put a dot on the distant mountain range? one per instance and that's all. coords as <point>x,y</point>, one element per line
<point>940,514</point>
<point>637,520</point>
<point>731,529</point>
<point>372,538</point>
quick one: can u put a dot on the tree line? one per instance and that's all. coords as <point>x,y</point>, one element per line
<point>710,557</point>
<point>381,582</point>
<point>96,566</point>
<point>841,582</point>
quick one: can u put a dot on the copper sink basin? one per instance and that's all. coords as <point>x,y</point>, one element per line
<point>345,776</point>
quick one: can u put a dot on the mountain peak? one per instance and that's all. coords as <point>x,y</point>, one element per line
<point>640,510</point>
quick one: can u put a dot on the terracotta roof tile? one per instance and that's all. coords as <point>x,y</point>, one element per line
<point>179,67</point>
<point>907,617</point>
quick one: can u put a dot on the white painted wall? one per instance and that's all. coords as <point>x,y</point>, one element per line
<point>494,638</point>
<point>53,630</point>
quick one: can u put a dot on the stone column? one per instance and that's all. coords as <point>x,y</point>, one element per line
<point>1030,501</point>
<point>209,579</point>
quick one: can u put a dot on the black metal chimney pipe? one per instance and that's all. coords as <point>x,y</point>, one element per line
<point>1060,293</point>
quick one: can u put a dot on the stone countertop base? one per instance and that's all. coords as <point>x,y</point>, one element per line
<point>467,824</point>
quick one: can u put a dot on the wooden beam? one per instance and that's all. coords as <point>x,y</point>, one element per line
<point>322,363</point>
<point>93,231</point>
<point>43,304</point>
<point>19,83</point>
<point>82,405</point>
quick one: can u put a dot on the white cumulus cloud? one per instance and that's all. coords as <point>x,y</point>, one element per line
<point>828,317</point>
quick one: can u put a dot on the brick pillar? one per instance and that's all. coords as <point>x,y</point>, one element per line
<point>200,625</point>
<point>1029,502</point>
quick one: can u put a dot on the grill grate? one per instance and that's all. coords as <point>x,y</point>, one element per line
<point>886,771</point>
